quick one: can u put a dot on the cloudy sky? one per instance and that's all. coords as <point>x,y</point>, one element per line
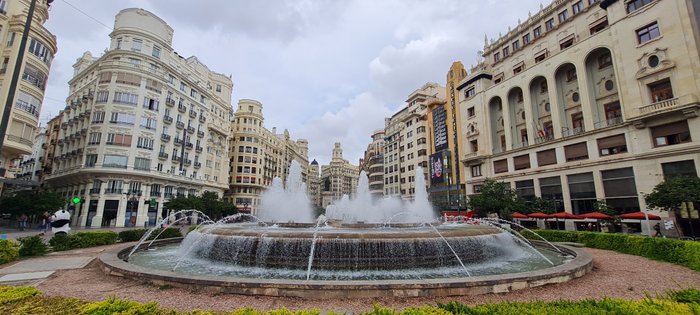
<point>328,71</point>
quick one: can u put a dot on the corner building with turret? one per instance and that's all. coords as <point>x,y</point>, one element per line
<point>142,125</point>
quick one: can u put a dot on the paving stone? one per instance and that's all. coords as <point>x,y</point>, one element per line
<point>25,276</point>
<point>47,264</point>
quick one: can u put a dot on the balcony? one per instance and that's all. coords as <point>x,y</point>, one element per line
<point>64,126</point>
<point>155,194</point>
<point>168,195</point>
<point>162,155</point>
<point>165,137</point>
<point>187,162</point>
<point>544,139</point>
<point>61,142</point>
<point>659,106</point>
<point>189,145</point>
<point>193,114</point>
<point>170,102</point>
<point>202,118</point>
<point>199,149</point>
<point>167,119</point>
<point>178,141</point>
<point>180,125</point>
<point>608,122</point>
<point>113,191</point>
<point>200,133</point>
<point>523,144</point>
<point>94,191</point>
<point>182,108</point>
<point>572,132</point>
<point>190,129</point>
<point>197,164</point>
<point>175,158</point>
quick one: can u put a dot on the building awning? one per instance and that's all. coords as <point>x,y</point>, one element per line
<point>19,182</point>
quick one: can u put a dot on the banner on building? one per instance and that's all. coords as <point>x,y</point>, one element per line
<point>437,170</point>
<point>440,128</point>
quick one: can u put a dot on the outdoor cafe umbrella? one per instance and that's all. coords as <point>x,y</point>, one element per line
<point>563,215</point>
<point>597,216</point>
<point>518,215</point>
<point>538,215</point>
<point>639,216</point>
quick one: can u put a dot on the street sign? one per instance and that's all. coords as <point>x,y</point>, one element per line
<point>152,203</point>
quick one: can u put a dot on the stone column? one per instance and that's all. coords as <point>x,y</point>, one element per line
<point>587,96</point>
<point>142,212</point>
<point>121,212</point>
<point>507,124</point>
<point>97,219</point>
<point>530,118</point>
<point>556,108</point>
<point>82,220</point>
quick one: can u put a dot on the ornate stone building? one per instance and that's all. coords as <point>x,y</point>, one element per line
<point>587,101</point>
<point>373,164</point>
<point>338,178</point>
<point>142,125</point>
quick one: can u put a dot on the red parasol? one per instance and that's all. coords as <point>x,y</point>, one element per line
<point>538,215</point>
<point>639,216</point>
<point>518,215</point>
<point>565,215</point>
<point>597,215</point>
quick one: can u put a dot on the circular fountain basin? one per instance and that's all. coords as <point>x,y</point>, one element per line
<point>348,262</point>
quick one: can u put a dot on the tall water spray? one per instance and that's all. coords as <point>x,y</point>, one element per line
<point>288,203</point>
<point>362,208</point>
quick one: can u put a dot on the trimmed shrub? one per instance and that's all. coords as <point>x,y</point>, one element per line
<point>168,233</point>
<point>685,253</point>
<point>32,246</point>
<point>114,306</point>
<point>63,242</point>
<point>131,235</point>
<point>9,251</point>
<point>12,294</point>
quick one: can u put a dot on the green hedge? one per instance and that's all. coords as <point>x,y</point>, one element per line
<point>685,253</point>
<point>27,300</point>
<point>137,234</point>
<point>63,242</point>
<point>32,246</point>
<point>9,251</point>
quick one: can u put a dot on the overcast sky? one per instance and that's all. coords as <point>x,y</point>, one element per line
<point>328,71</point>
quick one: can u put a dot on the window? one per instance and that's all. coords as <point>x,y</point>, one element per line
<point>526,39</point>
<point>135,62</point>
<point>125,98</point>
<point>470,92</point>
<point>476,170</point>
<point>582,192</point>
<point>571,74</point>
<point>540,57</point>
<point>575,152</point>
<point>144,143</point>
<point>563,16</point>
<point>521,162</point>
<point>98,117</point>
<point>34,76</point>
<point>680,168</point>
<point>599,26</point>
<point>119,139</point>
<point>122,118</point>
<point>94,138</point>
<point>525,189</point>
<point>648,33</point>
<point>10,39</point>
<point>613,113</point>
<point>670,134</point>
<point>90,160</point>
<point>506,51</point>
<point>150,104</point>
<point>536,32</point>
<point>566,44</point>
<point>28,103</point>
<point>612,145</point>
<point>497,57</point>
<point>516,45</point>
<point>604,60</point>
<point>142,164</point>
<point>620,190</point>
<point>591,2</point>
<point>40,50</point>
<point>218,87</point>
<point>518,69</point>
<point>577,7</point>
<point>500,166</point>
<point>136,44</point>
<point>102,97</point>
<point>470,112</point>
<point>546,157</point>
<point>549,25</point>
<point>156,51</point>
<point>633,5</point>
<point>550,189</point>
<point>115,161</point>
<point>661,90</point>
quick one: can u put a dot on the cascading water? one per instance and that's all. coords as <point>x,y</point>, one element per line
<point>364,238</point>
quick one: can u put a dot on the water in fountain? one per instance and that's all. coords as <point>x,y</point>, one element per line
<point>288,203</point>
<point>362,207</point>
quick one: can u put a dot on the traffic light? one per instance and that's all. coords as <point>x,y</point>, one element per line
<point>76,200</point>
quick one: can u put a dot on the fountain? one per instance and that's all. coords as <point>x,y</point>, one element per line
<point>361,247</point>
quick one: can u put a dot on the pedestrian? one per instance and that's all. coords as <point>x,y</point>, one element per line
<point>657,228</point>
<point>44,222</point>
<point>23,221</point>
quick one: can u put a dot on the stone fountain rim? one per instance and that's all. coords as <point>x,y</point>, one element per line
<point>111,263</point>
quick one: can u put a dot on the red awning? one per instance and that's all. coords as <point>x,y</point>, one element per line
<point>565,215</point>
<point>639,216</point>
<point>518,215</point>
<point>538,215</point>
<point>597,215</point>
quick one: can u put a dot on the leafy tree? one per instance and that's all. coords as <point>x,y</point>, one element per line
<point>671,193</point>
<point>601,206</point>
<point>209,203</point>
<point>32,202</point>
<point>496,197</point>
<point>540,205</point>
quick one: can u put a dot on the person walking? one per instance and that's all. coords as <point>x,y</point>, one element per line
<point>44,222</point>
<point>657,228</point>
<point>23,221</point>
